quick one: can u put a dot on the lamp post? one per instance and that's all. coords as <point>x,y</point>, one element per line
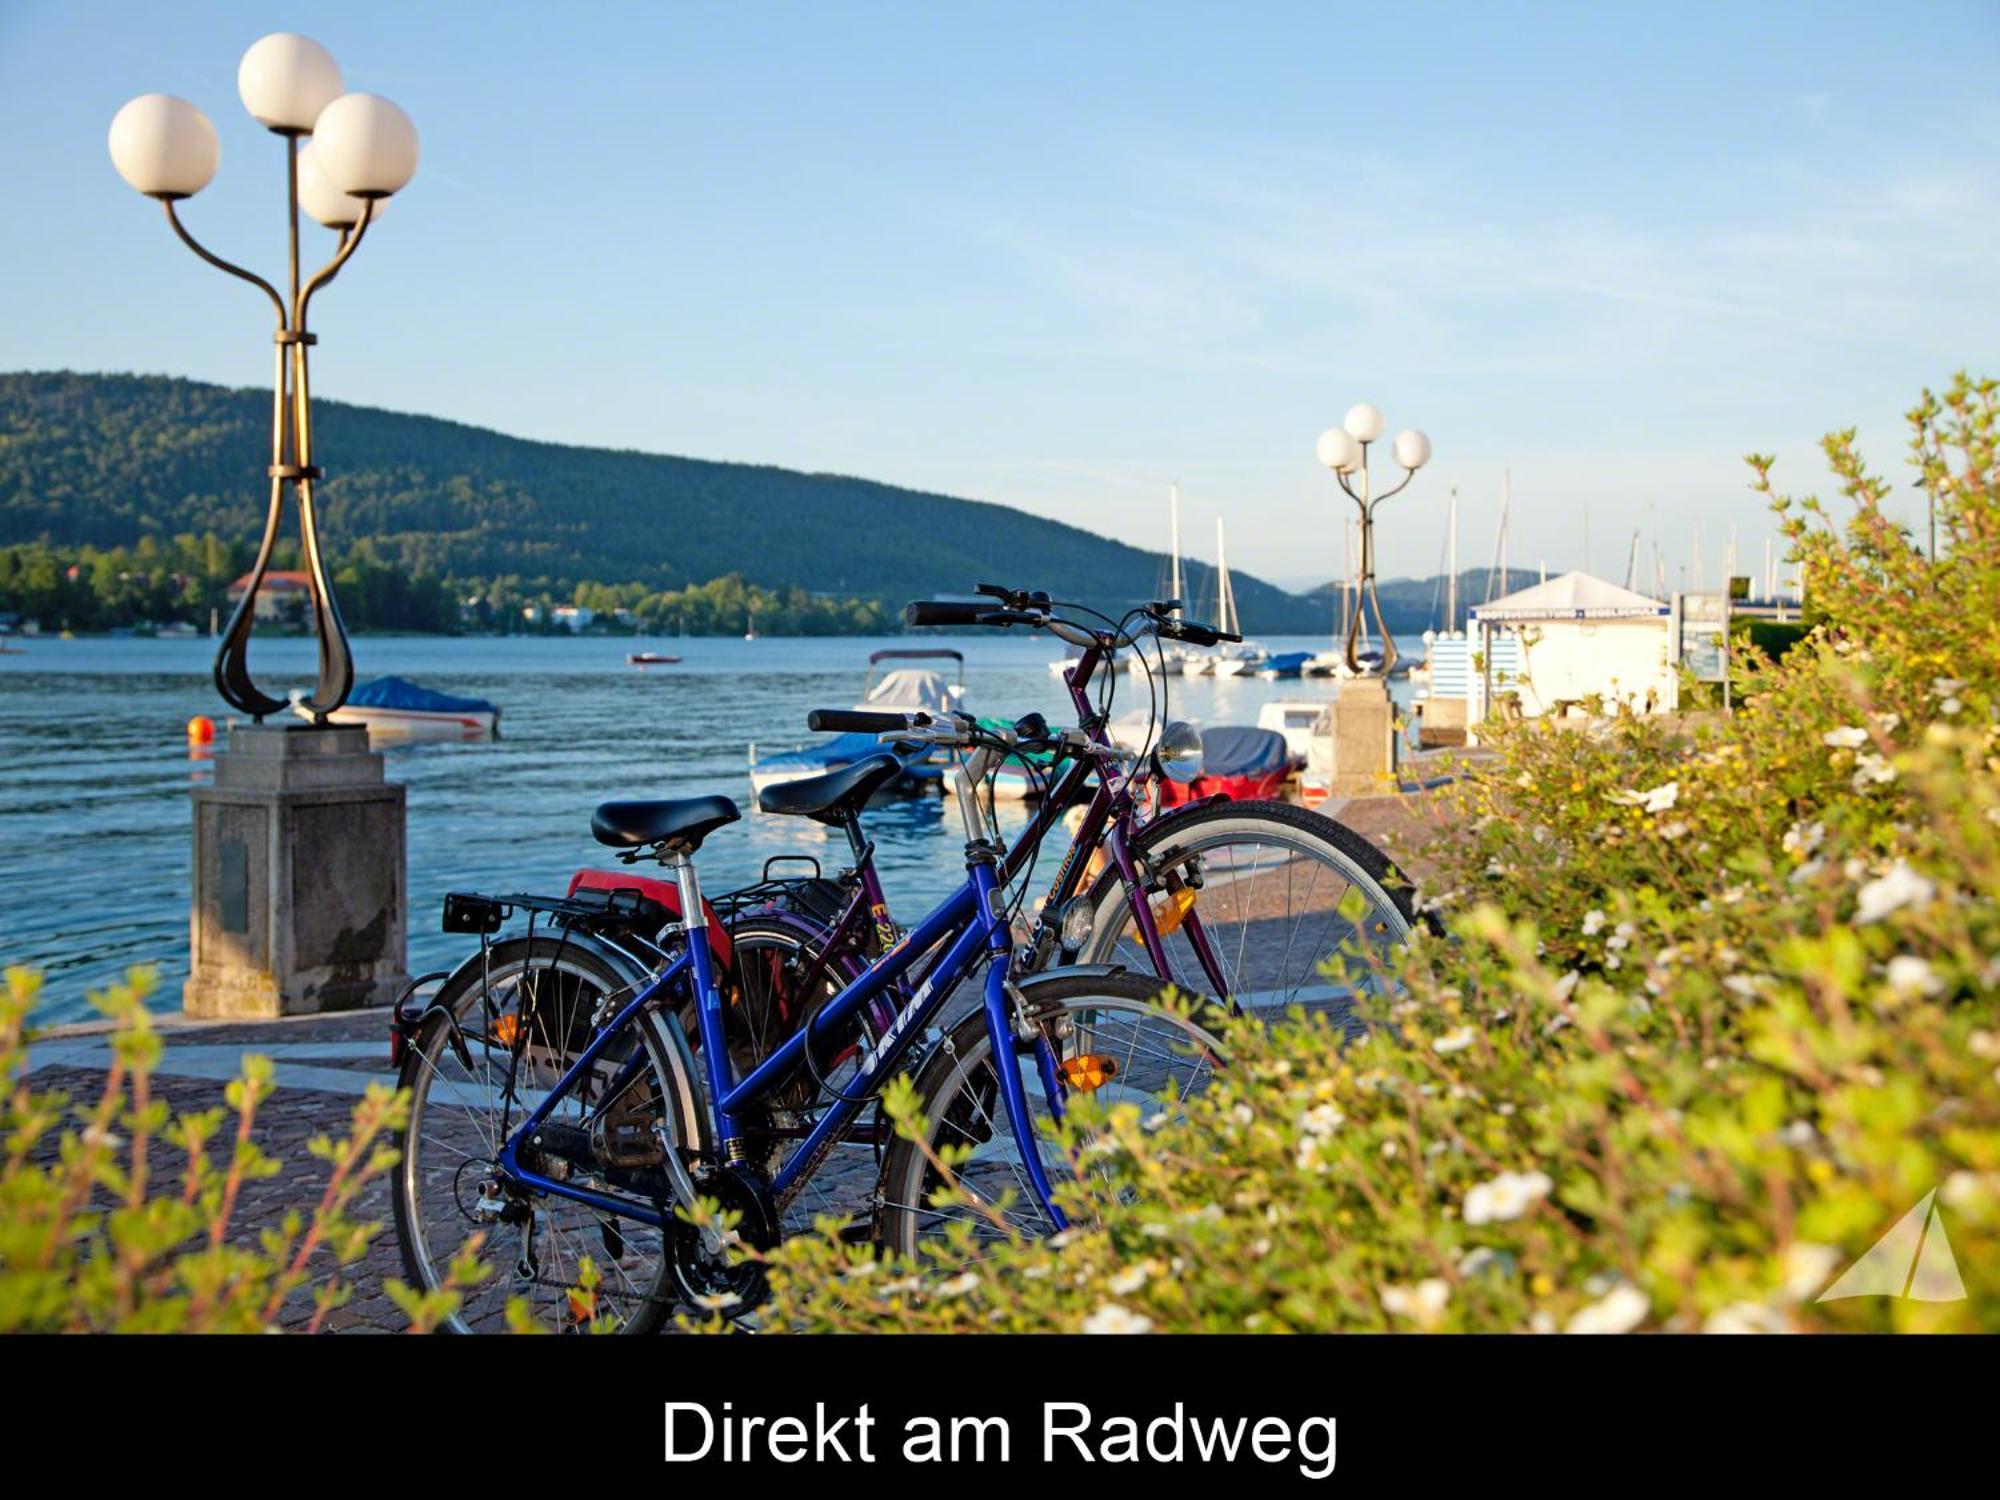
<point>362,150</point>
<point>1344,449</point>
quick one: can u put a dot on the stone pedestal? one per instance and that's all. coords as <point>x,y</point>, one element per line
<point>1362,724</point>
<point>300,880</point>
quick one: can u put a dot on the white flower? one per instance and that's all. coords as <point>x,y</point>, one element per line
<point>717,1301</point>
<point>1241,1115</point>
<point>1912,976</point>
<point>1619,1310</point>
<point>1944,687</point>
<point>1852,737</point>
<point>1803,838</point>
<point>1655,800</point>
<point>1593,923</point>
<point>1455,1041</point>
<point>959,1285</point>
<point>860,1269</point>
<point>1124,1283</point>
<point>1424,1303</point>
<point>1871,769</point>
<point>1897,887</point>
<point>1321,1120</point>
<point>1566,986</point>
<point>1746,1317</point>
<point>1507,1196</point>
<point>1741,985</point>
<point>1679,828</point>
<point>1111,1318</point>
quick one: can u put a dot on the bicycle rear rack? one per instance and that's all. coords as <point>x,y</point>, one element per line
<point>470,912</point>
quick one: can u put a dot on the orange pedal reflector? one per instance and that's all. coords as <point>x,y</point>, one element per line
<point>1172,908</point>
<point>1089,1071</point>
<point>507,1030</point>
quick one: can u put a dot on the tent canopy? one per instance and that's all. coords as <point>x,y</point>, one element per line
<point>1574,596</point>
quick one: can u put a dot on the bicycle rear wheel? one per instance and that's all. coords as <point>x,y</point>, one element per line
<point>1118,1042</point>
<point>1262,897</point>
<point>516,1025</point>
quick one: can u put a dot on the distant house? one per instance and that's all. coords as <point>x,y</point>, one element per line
<point>284,597</point>
<point>573,616</point>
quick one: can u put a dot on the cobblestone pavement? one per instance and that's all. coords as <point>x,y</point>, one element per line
<point>323,1064</point>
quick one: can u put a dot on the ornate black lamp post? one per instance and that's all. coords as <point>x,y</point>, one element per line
<point>363,149</point>
<point>1344,449</point>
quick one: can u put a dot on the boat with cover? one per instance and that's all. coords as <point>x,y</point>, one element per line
<point>397,707</point>
<point>894,689</point>
<point>1238,761</point>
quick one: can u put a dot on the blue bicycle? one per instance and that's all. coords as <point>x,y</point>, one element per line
<point>560,1106</point>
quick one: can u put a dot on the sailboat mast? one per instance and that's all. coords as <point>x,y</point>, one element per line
<point>1174,512</point>
<point>1451,563</point>
<point>1222,574</point>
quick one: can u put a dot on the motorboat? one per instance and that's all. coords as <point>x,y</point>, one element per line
<point>394,707</point>
<point>650,659</point>
<point>1286,664</point>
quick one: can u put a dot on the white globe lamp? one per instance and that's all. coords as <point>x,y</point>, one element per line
<point>367,146</point>
<point>1365,422</point>
<point>1413,449</point>
<point>164,146</point>
<point>285,80</point>
<point>1339,451</point>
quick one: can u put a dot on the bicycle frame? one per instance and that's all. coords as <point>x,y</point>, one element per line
<point>1109,818</point>
<point>971,921</point>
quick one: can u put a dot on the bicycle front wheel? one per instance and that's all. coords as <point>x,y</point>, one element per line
<point>1109,1036</point>
<point>1254,901</point>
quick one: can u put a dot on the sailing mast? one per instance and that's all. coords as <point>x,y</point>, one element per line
<point>1500,540</point>
<point>1174,512</point>
<point>1224,594</point>
<point>1451,564</point>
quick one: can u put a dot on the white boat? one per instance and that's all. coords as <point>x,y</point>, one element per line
<point>393,708</point>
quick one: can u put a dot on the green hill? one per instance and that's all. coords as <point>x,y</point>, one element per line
<point>110,460</point>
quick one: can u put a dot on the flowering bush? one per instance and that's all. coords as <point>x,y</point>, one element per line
<point>1717,1016</point>
<point>92,1241</point>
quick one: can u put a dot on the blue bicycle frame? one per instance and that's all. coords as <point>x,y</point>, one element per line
<point>972,919</point>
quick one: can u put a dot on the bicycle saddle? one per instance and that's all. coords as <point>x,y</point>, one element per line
<point>684,821</point>
<point>828,796</point>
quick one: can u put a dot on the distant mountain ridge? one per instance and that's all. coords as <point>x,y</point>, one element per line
<point>105,459</point>
<point>1414,605</point>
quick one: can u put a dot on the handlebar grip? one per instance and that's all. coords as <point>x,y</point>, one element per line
<point>949,612</point>
<point>1198,635</point>
<point>855,721</point>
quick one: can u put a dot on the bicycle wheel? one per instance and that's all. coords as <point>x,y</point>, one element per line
<point>1272,892</point>
<point>1109,1029</point>
<point>521,1019</point>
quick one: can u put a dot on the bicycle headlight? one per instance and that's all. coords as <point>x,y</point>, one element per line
<point>1179,753</point>
<point>1077,924</point>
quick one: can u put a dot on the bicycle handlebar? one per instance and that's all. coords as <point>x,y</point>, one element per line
<point>858,721</point>
<point>953,612</point>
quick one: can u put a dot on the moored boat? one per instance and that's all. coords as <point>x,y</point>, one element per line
<point>649,659</point>
<point>899,689</point>
<point>396,707</point>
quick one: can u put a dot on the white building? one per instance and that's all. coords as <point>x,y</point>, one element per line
<point>1573,638</point>
<point>573,616</point>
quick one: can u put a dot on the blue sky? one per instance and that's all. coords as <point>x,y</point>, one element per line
<point>1058,256</point>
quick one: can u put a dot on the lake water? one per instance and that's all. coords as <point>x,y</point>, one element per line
<point>95,769</point>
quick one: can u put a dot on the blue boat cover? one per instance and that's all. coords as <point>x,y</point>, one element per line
<point>1242,750</point>
<point>1288,663</point>
<point>396,692</point>
<point>841,750</point>
<point>845,750</point>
